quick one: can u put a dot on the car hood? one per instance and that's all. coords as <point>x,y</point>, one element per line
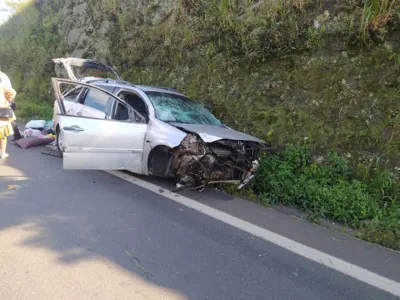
<point>210,134</point>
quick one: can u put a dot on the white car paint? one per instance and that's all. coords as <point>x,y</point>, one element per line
<point>99,144</point>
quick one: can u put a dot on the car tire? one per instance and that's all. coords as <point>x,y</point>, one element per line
<point>59,149</point>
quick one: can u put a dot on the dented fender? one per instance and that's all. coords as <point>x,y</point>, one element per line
<point>160,134</point>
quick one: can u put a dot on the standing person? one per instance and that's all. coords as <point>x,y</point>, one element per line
<point>6,81</point>
<point>7,95</point>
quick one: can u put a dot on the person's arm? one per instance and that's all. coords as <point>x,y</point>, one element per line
<point>5,80</point>
<point>9,94</point>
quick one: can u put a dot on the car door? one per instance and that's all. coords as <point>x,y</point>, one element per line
<point>71,104</point>
<point>93,104</point>
<point>92,143</point>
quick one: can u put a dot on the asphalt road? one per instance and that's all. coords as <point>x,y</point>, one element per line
<point>90,235</point>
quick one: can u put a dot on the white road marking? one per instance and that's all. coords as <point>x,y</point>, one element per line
<point>327,260</point>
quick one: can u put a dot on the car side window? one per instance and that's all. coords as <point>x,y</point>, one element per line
<point>136,103</point>
<point>121,113</point>
<point>96,99</point>
<point>126,114</point>
<point>72,95</point>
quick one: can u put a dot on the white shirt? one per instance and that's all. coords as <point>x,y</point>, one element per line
<point>5,80</point>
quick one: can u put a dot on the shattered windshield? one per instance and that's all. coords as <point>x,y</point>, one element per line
<point>175,108</point>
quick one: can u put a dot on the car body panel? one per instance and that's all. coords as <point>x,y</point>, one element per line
<point>165,134</point>
<point>160,134</point>
<point>103,144</point>
<point>99,144</point>
<point>210,134</point>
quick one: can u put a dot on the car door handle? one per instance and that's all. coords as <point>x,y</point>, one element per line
<point>73,128</point>
<point>79,114</point>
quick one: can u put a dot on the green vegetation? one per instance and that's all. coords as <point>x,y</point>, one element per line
<point>29,41</point>
<point>332,189</point>
<point>289,71</point>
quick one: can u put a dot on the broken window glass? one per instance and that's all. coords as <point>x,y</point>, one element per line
<point>180,109</point>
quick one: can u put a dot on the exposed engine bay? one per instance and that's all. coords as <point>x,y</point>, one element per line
<point>197,164</point>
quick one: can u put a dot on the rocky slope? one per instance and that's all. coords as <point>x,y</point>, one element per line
<point>319,70</point>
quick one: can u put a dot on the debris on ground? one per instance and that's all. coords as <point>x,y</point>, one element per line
<point>37,133</point>
<point>36,124</point>
<point>25,143</point>
<point>12,187</point>
<point>136,261</point>
<point>31,133</point>
<point>51,150</point>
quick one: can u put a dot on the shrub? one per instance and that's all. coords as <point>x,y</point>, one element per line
<point>331,190</point>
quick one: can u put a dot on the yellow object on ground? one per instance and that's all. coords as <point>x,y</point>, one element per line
<point>52,136</point>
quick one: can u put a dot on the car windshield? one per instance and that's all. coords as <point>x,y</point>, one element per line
<point>180,109</point>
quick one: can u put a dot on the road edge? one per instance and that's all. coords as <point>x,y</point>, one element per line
<point>327,260</point>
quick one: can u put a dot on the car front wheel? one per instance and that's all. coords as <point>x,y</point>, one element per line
<point>60,141</point>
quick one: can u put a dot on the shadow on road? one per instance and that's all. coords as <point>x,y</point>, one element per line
<point>76,217</point>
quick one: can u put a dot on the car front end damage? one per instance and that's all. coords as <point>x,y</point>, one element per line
<point>196,164</point>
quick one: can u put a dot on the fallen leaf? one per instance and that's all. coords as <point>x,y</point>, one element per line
<point>12,187</point>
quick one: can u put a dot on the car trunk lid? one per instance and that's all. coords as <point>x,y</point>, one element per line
<point>70,62</point>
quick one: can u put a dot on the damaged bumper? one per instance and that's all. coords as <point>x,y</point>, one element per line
<point>196,164</point>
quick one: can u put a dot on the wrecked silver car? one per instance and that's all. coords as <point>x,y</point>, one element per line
<point>110,124</point>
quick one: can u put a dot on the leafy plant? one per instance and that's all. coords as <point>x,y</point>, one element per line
<point>329,190</point>
<point>376,14</point>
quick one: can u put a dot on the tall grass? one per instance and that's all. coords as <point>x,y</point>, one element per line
<point>376,14</point>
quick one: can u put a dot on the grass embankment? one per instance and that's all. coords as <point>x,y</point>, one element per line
<point>319,76</point>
